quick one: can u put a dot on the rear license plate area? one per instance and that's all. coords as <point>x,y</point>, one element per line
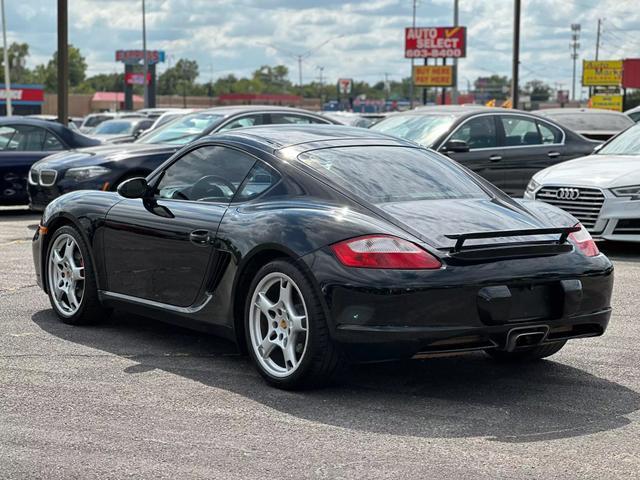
<point>535,302</point>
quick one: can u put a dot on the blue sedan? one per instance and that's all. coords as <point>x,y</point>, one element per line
<point>24,141</point>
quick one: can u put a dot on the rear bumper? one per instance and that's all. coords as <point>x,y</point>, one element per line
<point>386,342</point>
<point>378,315</point>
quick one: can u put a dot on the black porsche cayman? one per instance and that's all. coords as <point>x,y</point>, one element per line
<point>313,245</point>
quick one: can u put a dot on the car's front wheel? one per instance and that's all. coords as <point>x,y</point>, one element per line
<point>286,329</point>
<point>70,279</point>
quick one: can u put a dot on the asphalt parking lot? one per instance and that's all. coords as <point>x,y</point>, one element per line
<point>132,397</point>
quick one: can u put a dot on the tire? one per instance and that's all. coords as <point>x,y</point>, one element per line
<point>269,315</point>
<point>529,355</point>
<point>86,309</point>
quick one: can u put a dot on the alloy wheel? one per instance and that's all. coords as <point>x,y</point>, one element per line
<point>66,275</point>
<point>278,325</point>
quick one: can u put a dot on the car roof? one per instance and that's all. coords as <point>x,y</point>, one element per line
<point>234,109</point>
<point>68,135</point>
<point>277,137</point>
<point>580,111</point>
<point>458,111</point>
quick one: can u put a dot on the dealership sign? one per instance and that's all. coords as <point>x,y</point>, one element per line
<point>433,75</point>
<point>345,85</point>
<point>601,73</point>
<point>606,102</point>
<point>435,42</point>
<point>136,78</point>
<point>135,57</point>
<point>23,94</point>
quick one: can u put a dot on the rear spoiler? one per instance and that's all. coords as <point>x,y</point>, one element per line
<point>460,238</point>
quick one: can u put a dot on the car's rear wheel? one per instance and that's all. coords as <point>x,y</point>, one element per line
<point>286,329</point>
<point>528,355</point>
<point>70,279</point>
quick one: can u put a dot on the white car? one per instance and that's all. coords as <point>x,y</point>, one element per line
<point>601,190</point>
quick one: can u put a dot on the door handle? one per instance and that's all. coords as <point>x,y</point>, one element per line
<point>553,154</point>
<point>495,158</point>
<point>200,237</point>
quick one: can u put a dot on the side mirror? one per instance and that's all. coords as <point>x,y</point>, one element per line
<point>134,188</point>
<point>459,146</point>
<point>138,132</point>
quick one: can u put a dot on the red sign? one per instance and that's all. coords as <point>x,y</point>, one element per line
<point>136,78</point>
<point>631,73</point>
<point>133,57</point>
<point>435,42</point>
<point>345,85</point>
<point>20,94</point>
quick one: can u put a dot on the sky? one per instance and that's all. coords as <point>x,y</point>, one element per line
<point>362,40</point>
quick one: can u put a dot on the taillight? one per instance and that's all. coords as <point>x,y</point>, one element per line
<point>384,251</point>
<point>582,239</point>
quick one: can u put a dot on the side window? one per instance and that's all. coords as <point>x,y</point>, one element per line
<point>260,178</point>
<point>479,132</point>
<point>550,134</point>
<point>246,121</point>
<point>28,139</point>
<point>206,174</point>
<point>6,136</point>
<point>51,143</point>
<point>520,131</point>
<point>293,118</point>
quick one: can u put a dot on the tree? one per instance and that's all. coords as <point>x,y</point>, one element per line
<point>539,91</point>
<point>179,79</point>
<point>48,75</point>
<point>494,87</point>
<point>18,53</point>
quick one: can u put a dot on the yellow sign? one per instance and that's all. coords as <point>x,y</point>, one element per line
<point>601,73</point>
<point>433,75</point>
<point>606,102</point>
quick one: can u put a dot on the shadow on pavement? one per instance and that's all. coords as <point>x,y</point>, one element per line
<point>462,396</point>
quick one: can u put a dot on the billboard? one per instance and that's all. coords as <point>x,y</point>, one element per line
<point>606,102</point>
<point>435,42</point>
<point>601,73</point>
<point>433,75</point>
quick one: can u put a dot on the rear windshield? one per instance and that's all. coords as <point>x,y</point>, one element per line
<point>422,129</point>
<point>382,174</point>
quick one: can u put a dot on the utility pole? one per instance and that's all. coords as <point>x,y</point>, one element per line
<point>598,38</point>
<point>63,62</point>
<point>300,76</point>
<point>145,60</point>
<point>7,77</point>
<point>575,45</point>
<point>516,54</point>
<point>454,90</point>
<point>413,24</point>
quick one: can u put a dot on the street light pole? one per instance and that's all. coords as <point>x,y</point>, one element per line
<point>7,78</point>
<point>575,45</point>
<point>516,54</point>
<point>145,60</point>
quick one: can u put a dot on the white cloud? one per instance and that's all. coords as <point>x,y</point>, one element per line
<point>231,35</point>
